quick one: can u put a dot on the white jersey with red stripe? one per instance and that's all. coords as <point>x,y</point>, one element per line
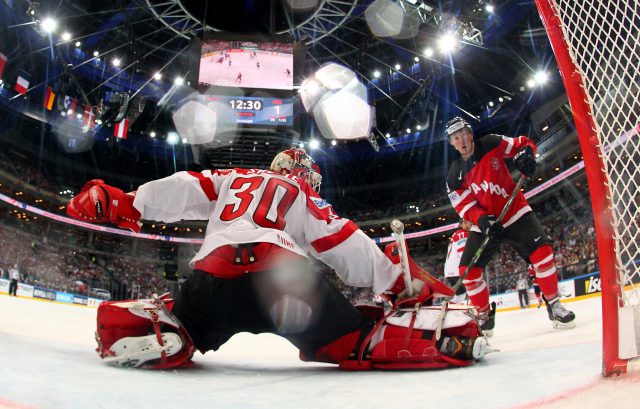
<point>482,184</point>
<point>251,206</point>
<point>454,253</point>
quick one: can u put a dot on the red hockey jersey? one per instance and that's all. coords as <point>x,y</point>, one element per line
<point>482,184</point>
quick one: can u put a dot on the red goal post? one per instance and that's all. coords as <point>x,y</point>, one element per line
<point>596,47</point>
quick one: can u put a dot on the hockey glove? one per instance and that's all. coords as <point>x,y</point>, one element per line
<point>423,284</point>
<point>525,161</point>
<point>490,226</point>
<point>98,202</point>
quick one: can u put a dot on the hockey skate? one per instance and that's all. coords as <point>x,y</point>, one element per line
<point>561,317</point>
<point>132,352</point>
<point>487,320</point>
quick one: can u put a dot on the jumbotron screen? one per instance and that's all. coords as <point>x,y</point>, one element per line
<point>246,64</point>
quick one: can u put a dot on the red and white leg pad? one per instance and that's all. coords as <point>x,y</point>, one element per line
<point>142,333</point>
<point>405,339</point>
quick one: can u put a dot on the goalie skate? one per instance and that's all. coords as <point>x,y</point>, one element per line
<point>135,351</point>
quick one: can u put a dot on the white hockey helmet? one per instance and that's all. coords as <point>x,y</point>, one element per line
<point>297,162</point>
<point>454,125</point>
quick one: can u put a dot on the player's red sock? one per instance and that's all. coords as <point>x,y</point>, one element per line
<point>546,274</point>
<point>477,289</point>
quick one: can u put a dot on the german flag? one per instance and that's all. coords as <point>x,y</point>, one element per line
<point>49,97</point>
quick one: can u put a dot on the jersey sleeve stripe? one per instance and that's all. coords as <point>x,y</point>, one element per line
<point>509,142</point>
<point>328,242</point>
<point>206,184</point>
<point>466,208</point>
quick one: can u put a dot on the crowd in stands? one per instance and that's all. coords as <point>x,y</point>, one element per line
<point>66,258</point>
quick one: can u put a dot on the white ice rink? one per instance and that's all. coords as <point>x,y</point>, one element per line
<point>47,360</point>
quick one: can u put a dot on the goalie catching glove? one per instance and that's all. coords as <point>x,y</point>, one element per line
<point>424,285</point>
<point>142,333</point>
<point>525,161</point>
<point>98,202</point>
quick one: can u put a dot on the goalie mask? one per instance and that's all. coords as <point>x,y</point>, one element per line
<point>297,162</point>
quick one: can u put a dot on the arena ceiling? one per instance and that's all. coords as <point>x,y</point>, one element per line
<point>484,80</point>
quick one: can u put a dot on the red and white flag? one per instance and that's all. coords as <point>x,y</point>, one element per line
<point>89,119</point>
<point>121,128</point>
<point>49,97</point>
<point>3,63</point>
<point>22,85</point>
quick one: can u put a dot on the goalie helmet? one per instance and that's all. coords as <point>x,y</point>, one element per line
<point>454,125</point>
<point>297,162</point>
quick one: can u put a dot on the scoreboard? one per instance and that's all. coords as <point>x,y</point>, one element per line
<point>258,110</point>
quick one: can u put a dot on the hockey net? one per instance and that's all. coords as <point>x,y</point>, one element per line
<point>598,52</point>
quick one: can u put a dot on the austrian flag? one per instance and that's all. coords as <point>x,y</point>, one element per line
<point>22,85</point>
<point>121,128</point>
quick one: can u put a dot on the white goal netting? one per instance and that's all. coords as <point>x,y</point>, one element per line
<point>603,39</point>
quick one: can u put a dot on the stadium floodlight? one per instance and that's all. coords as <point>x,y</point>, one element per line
<point>157,76</point>
<point>397,67</point>
<point>152,134</point>
<point>173,138</point>
<point>447,43</point>
<point>49,25</point>
<point>301,145</point>
<point>531,83</point>
<point>314,144</point>
<point>116,62</point>
<point>428,52</point>
<point>179,81</point>
<point>490,8</point>
<point>66,36</point>
<point>416,59</point>
<point>96,53</point>
<point>540,77</point>
<point>490,103</point>
<point>376,74</point>
<point>408,130</point>
<point>78,44</point>
<point>334,143</point>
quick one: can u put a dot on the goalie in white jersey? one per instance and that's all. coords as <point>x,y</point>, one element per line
<point>252,273</point>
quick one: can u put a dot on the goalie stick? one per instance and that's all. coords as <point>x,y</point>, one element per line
<point>477,255</point>
<point>398,233</point>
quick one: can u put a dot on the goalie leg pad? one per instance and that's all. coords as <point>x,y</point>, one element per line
<point>405,339</point>
<point>142,333</point>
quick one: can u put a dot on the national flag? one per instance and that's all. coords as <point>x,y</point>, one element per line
<point>49,98</point>
<point>88,121</point>
<point>3,63</point>
<point>70,104</point>
<point>22,85</point>
<point>121,128</point>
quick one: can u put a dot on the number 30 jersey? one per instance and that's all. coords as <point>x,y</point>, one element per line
<point>252,206</point>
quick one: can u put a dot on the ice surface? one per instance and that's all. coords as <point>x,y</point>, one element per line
<point>47,360</point>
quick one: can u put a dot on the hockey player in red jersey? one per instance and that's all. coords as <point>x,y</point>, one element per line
<point>455,249</point>
<point>252,274</point>
<point>479,183</point>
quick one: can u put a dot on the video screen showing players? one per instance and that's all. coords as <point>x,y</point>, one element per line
<point>246,64</point>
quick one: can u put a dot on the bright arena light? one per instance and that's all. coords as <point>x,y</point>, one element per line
<point>78,44</point>
<point>531,83</point>
<point>334,143</point>
<point>416,59</point>
<point>96,53</point>
<point>179,81</point>
<point>397,67</point>
<point>447,43</point>
<point>314,144</point>
<point>116,62</point>
<point>66,36</point>
<point>301,145</point>
<point>376,74</point>
<point>152,134</point>
<point>49,25</point>
<point>173,138</point>
<point>428,52</point>
<point>490,8</point>
<point>540,77</point>
<point>157,76</point>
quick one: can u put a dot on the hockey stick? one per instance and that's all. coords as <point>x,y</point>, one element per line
<point>398,233</point>
<point>477,254</point>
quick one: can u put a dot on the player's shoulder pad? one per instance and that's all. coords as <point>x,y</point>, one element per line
<point>490,141</point>
<point>319,202</point>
